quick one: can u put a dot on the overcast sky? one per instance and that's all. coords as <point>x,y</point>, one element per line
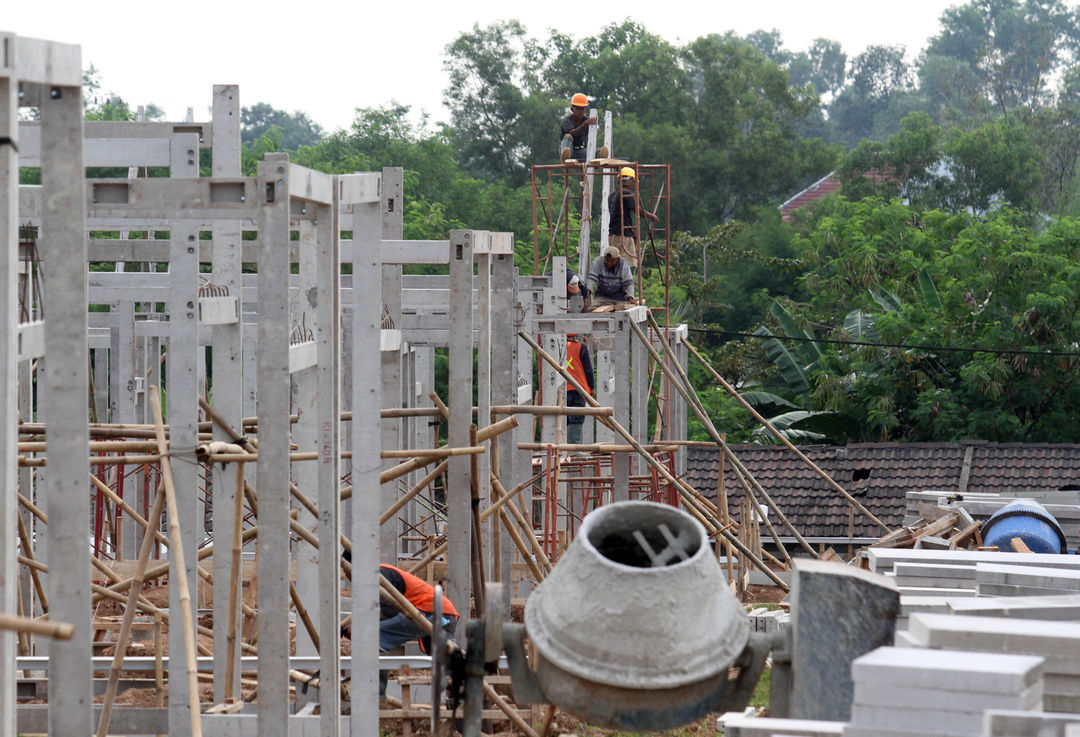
<point>327,59</point>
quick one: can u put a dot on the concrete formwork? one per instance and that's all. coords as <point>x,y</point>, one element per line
<point>312,344</point>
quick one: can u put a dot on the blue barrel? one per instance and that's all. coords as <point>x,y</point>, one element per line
<point>1029,521</point>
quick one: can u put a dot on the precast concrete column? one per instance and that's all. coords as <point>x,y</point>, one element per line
<point>181,390</point>
<point>9,377</point>
<point>63,405</point>
<point>392,228</point>
<point>639,390</point>
<point>621,364</point>
<point>458,497</point>
<point>362,191</point>
<point>504,340</point>
<point>306,430</point>
<point>272,477</point>
<point>482,253</point>
<point>328,409</point>
<point>227,367</point>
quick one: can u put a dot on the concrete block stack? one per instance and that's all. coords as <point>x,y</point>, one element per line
<point>999,579</point>
<point>740,726</point>
<point>884,560</point>
<point>1064,608</point>
<point>769,620</point>
<point>1005,723</point>
<point>1058,643</point>
<point>905,692</point>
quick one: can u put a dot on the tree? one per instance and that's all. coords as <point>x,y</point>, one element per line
<point>992,165</point>
<point>493,73</point>
<point>747,150</point>
<point>880,82</point>
<point>823,66</point>
<point>1014,48</point>
<point>978,318</point>
<point>297,129</point>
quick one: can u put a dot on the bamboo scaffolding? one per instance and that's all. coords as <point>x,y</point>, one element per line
<point>178,556</point>
<point>695,503</point>
<point>129,616</point>
<point>780,436</point>
<point>686,391</point>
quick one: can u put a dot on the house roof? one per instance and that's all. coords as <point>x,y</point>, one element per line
<point>816,191</point>
<point>879,475</point>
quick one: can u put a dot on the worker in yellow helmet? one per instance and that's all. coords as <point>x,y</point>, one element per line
<point>622,204</point>
<point>574,130</point>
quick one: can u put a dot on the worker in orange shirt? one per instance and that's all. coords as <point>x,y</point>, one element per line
<point>579,365</point>
<point>394,627</point>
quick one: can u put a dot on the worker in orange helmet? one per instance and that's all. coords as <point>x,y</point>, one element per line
<point>574,130</point>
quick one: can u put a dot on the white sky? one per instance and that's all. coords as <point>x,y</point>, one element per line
<point>327,59</point>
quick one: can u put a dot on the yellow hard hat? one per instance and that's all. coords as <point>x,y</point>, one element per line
<point>626,171</point>
<point>579,100</point>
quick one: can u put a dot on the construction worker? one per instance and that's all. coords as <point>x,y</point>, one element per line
<point>579,365</point>
<point>575,288</point>
<point>574,130</point>
<point>611,282</point>
<point>622,204</point>
<point>394,627</point>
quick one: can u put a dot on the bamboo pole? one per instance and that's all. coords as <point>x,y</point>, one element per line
<point>692,497</point>
<point>177,553</point>
<point>235,583</point>
<point>55,630</point>
<point>436,552</point>
<point>595,447</point>
<point>686,391</point>
<point>543,409</point>
<point>129,615</point>
<point>407,496</point>
<point>779,436</point>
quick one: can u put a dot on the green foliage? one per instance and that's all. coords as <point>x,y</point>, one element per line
<point>935,282</point>
<point>296,129</point>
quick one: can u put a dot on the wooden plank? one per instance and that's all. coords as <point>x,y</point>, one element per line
<point>1019,546</point>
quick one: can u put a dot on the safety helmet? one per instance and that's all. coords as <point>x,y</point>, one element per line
<point>579,100</point>
<point>626,171</point>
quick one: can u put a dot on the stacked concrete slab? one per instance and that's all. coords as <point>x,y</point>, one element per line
<point>1065,608</point>
<point>769,620</point>
<point>994,579</point>
<point>901,692</point>
<point>767,727</point>
<point>1005,723</point>
<point>1057,642</point>
<point>884,560</point>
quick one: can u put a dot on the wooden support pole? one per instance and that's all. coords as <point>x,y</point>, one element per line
<point>129,616</point>
<point>780,436</point>
<point>177,551</point>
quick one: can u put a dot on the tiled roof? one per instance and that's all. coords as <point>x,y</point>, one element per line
<point>878,475</point>
<point>816,191</point>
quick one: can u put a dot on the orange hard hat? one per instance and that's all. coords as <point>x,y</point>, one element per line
<point>579,100</point>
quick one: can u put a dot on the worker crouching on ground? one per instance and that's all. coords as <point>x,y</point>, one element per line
<point>395,629</point>
<point>579,365</point>
<point>611,282</point>
<point>622,204</point>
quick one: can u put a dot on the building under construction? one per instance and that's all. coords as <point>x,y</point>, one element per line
<point>222,415</point>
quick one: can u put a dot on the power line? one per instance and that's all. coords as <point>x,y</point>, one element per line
<point>911,346</point>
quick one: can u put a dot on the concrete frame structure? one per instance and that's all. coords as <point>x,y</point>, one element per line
<point>313,343</point>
